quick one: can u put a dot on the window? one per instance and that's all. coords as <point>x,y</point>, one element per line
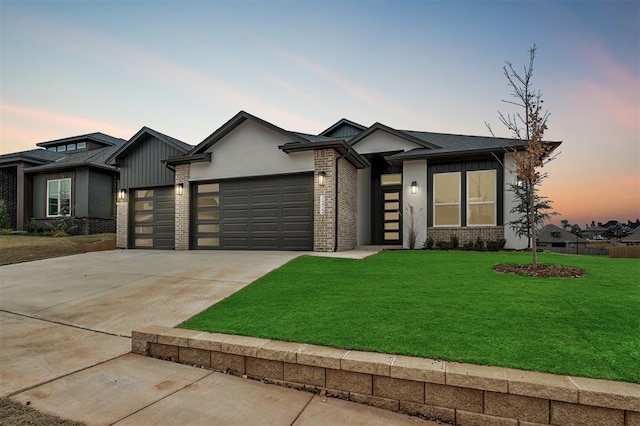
<point>71,147</point>
<point>81,145</point>
<point>481,198</point>
<point>446,199</point>
<point>391,179</point>
<point>58,197</point>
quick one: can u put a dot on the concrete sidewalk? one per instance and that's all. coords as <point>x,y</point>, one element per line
<point>64,342</point>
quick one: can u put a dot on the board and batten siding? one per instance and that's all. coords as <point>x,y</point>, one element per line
<point>142,166</point>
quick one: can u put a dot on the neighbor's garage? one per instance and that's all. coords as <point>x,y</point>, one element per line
<point>260,213</point>
<point>153,218</point>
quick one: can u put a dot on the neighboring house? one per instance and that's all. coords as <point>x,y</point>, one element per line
<point>554,236</point>
<point>595,232</point>
<point>633,239</point>
<point>252,185</point>
<point>66,177</point>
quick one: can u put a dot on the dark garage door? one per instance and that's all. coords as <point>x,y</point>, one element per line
<point>153,218</point>
<point>265,213</point>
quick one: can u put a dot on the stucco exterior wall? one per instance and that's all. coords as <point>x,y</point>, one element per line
<point>510,177</point>
<point>415,170</point>
<point>251,150</point>
<point>381,141</point>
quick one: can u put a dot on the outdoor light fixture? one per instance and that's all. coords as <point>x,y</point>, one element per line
<point>321,178</point>
<point>122,195</point>
<point>414,187</point>
<point>179,188</point>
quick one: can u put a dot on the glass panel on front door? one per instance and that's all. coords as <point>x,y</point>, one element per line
<point>391,226</point>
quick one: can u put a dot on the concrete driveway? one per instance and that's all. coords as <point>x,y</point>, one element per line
<point>65,327</point>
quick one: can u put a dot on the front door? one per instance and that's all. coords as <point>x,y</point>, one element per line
<point>390,209</point>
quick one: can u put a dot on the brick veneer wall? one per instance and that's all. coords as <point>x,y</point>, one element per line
<point>122,224</point>
<point>458,393</point>
<point>466,234</point>
<point>347,205</point>
<point>182,208</point>
<point>8,192</point>
<point>324,224</point>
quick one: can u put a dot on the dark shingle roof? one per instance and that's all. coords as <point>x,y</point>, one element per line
<point>554,234</point>
<point>36,156</point>
<point>92,157</point>
<point>97,137</point>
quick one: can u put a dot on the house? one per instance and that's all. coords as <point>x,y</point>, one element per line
<point>595,232</point>
<point>633,239</point>
<point>252,185</point>
<point>554,236</point>
<point>64,177</point>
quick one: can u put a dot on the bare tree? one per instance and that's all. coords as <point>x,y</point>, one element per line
<point>528,126</point>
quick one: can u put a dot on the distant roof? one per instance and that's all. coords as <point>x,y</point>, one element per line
<point>93,157</point>
<point>633,237</point>
<point>126,147</point>
<point>34,156</point>
<point>340,123</point>
<point>554,234</point>
<point>97,137</point>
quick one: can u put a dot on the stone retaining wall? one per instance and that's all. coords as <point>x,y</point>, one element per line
<point>458,393</point>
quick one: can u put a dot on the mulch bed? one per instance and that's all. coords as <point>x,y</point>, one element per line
<point>542,271</point>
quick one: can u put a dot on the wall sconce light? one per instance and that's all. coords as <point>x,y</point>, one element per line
<point>122,195</point>
<point>179,188</point>
<point>414,187</point>
<point>321,178</point>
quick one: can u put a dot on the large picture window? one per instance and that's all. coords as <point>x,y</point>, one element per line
<point>481,198</point>
<point>58,197</point>
<point>446,199</point>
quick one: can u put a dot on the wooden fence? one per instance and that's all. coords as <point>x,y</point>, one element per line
<point>632,252</point>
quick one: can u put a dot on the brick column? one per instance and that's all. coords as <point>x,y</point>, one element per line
<point>182,208</point>
<point>122,224</point>
<point>347,205</point>
<point>324,201</point>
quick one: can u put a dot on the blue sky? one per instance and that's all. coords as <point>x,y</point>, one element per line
<point>184,68</point>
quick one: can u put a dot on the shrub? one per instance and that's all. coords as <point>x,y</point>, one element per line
<point>5,222</point>
<point>34,227</point>
<point>428,244</point>
<point>454,242</point>
<point>66,224</point>
<point>468,246</point>
<point>496,245</point>
<point>59,234</point>
<point>6,231</point>
<point>443,245</point>
<point>479,244</point>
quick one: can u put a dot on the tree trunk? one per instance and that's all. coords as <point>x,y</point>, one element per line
<point>534,244</point>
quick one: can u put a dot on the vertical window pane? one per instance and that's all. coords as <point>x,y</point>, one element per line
<point>481,198</point>
<point>53,196</point>
<point>447,187</point>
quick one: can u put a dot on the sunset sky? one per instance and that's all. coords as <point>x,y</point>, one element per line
<point>184,68</point>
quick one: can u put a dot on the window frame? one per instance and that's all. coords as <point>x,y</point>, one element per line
<point>483,203</point>
<point>48,205</point>
<point>458,204</point>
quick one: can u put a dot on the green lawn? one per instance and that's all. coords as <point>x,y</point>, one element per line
<point>451,306</point>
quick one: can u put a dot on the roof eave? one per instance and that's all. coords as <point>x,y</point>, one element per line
<point>175,160</point>
<point>341,146</point>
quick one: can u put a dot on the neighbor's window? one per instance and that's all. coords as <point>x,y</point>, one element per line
<point>58,197</point>
<point>481,198</point>
<point>446,199</point>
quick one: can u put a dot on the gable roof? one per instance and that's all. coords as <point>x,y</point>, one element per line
<point>452,145</point>
<point>125,148</point>
<point>398,133</point>
<point>633,237</point>
<point>548,235</point>
<point>237,120</point>
<point>96,137</point>
<point>34,156</point>
<point>342,123</point>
